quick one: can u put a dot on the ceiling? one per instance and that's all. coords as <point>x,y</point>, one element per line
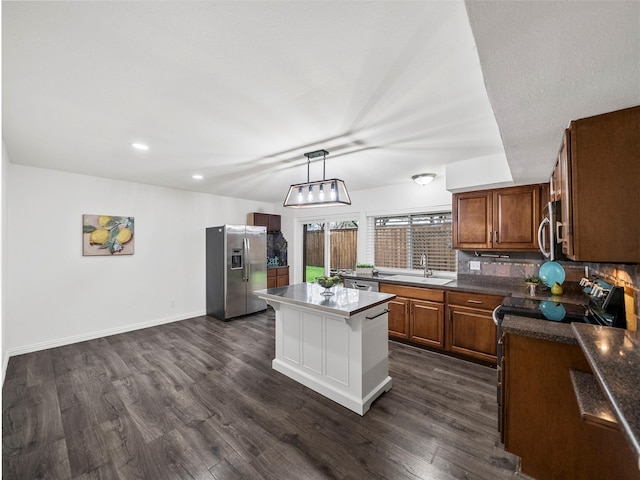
<point>239,91</point>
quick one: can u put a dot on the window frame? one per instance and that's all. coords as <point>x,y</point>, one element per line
<point>371,234</point>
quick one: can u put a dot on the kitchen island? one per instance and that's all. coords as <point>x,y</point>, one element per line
<point>337,344</point>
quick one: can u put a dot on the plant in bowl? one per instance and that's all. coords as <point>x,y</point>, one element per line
<point>327,283</point>
<point>532,284</point>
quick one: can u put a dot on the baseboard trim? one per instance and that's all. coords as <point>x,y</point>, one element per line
<point>60,342</point>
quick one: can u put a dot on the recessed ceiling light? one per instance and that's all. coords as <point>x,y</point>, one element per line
<point>197,177</point>
<point>140,146</point>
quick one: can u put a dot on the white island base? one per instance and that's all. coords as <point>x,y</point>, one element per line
<point>339,354</point>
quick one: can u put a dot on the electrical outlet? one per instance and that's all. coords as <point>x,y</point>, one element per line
<point>474,265</point>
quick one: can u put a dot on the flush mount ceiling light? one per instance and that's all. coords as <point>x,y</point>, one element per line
<point>140,146</point>
<point>197,176</point>
<point>424,178</point>
<point>321,193</point>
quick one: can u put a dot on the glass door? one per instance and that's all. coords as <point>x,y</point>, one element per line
<point>329,248</point>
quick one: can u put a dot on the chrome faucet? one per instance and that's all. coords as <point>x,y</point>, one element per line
<point>424,262</point>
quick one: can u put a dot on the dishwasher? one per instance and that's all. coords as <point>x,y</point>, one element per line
<point>368,286</point>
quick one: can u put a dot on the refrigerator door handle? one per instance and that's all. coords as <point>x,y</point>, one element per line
<point>247,256</point>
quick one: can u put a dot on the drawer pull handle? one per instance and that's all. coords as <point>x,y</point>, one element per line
<point>386,310</point>
<point>475,301</point>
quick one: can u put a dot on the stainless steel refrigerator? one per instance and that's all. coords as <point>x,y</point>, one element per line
<point>236,267</point>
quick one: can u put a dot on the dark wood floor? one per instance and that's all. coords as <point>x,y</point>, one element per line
<point>198,399</point>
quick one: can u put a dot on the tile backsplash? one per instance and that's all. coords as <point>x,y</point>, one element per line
<point>513,267</point>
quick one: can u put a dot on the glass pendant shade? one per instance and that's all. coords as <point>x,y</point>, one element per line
<point>315,194</point>
<point>321,193</point>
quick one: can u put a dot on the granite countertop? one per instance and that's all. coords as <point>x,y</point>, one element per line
<point>454,284</point>
<point>614,357</point>
<point>542,329</point>
<point>344,302</point>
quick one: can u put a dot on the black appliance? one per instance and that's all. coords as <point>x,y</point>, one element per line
<point>601,304</point>
<point>606,303</point>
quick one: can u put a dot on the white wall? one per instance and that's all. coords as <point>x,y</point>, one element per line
<point>4,183</point>
<point>55,296</point>
<point>404,198</point>
<point>478,173</point>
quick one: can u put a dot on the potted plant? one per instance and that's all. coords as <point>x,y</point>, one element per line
<point>532,284</point>
<point>327,283</point>
<point>364,269</point>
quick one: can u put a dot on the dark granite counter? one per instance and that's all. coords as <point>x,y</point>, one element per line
<point>518,289</point>
<point>542,329</point>
<point>614,357</point>
<point>454,284</point>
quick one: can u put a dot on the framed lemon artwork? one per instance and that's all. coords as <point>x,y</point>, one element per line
<point>107,235</point>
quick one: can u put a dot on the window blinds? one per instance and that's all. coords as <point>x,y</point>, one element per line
<point>400,241</point>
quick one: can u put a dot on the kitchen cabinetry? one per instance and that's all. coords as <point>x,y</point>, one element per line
<point>416,314</point>
<point>498,219</point>
<point>277,277</point>
<point>470,328</point>
<point>272,222</point>
<point>399,317</point>
<point>542,421</point>
<point>597,180</point>
<point>556,183</point>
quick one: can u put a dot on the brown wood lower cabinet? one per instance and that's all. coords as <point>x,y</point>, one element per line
<point>470,327</point>
<point>427,323</point>
<point>542,422</point>
<point>277,277</point>
<point>417,315</point>
<point>399,318</point>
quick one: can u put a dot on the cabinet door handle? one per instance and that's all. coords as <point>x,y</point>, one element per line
<point>386,310</point>
<point>478,302</point>
<point>497,237</point>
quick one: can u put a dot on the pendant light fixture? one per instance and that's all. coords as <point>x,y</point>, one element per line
<point>320,193</point>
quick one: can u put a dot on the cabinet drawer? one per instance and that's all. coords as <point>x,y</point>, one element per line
<point>271,272</point>
<point>474,300</point>
<point>413,292</point>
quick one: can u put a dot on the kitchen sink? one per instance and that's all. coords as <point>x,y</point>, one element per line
<point>421,280</point>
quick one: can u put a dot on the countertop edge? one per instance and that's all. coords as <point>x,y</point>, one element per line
<point>275,295</point>
<point>594,363</point>
<point>540,329</point>
<point>454,285</point>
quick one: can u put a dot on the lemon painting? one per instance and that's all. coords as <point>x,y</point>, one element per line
<point>107,235</point>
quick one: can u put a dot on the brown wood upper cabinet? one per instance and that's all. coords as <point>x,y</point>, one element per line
<point>272,222</point>
<point>597,181</point>
<point>498,219</point>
